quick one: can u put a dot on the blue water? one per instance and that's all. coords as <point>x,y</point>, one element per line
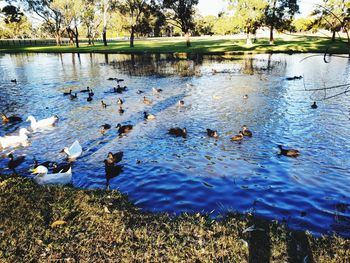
<point>197,174</point>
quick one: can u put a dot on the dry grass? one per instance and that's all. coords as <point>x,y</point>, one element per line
<point>62,224</point>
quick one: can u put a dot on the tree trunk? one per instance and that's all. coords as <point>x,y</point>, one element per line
<point>104,36</point>
<point>105,9</point>
<point>58,38</point>
<point>187,36</point>
<point>132,36</point>
<point>249,41</point>
<point>333,35</point>
<point>272,22</point>
<point>76,37</point>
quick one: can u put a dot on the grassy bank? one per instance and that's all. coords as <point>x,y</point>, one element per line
<point>61,223</point>
<point>290,44</point>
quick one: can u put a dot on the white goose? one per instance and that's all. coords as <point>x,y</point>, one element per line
<point>74,151</point>
<point>8,141</point>
<point>43,178</point>
<point>34,124</point>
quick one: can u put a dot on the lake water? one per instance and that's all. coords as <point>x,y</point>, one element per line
<point>197,174</point>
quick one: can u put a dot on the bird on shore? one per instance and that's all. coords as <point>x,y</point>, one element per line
<point>122,129</point>
<point>314,105</point>
<point>178,132</point>
<point>148,116</point>
<point>288,152</point>
<point>238,137</point>
<point>34,124</point>
<point>120,101</point>
<point>67,93</point>
<point>10,119</point>
<point>74,96</point>
<point>13,140</point>
<point>15,162</point>
<point>121,110</point>
<point>74,151</point>
<point>246,131</point>
<point>212,133</point>
<point>147,101</point>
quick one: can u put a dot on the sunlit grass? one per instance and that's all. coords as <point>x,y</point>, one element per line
<point>205,46</point>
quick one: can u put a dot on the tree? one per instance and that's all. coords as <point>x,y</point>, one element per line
<point>92,19</point>
<point>16,24</point>
<point>279,15</point>
<point>51,16</point>
<point>180,14</point>
<point>248,14</point>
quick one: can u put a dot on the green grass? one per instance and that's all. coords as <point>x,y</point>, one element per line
<point>62,224</point>
<point>289,44</point>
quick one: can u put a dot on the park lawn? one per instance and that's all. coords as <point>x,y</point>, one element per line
<point>296,44</point>
<point>63,224</point>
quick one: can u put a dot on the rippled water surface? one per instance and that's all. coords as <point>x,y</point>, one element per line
<point>198,173</point>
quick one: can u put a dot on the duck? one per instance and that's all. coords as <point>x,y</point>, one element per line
<point>121,110</point>
<point>120,101</point>
<point>14,80</point>
<point>181,103</point>
<point>119,80</point>
<point>139,91</point>
<point>295,77</point>
<point>125,88</point>
<point>148,116</point>
<point>105,127</point>
<point>14,163</point>
<point>89,98</point>
<point>10,119</point>
<point>314,105</point>
<point>74,96</point>
<point>118,90</point>
<point>111,171</point>
<point>147,101</point>
<point>47,164</point>
<point>212,133</point>
<point>124,128</point>
<point>245,96</point>
<point>21,138</point>
<point>178,132</point>
<point>74,151</point>
<point>44,178</point>
<point>246,131</point>
<point>114,157</point>
<point>86,90</point>
<point>155,90</point>
<point>34,124</point>
<point>91,93</point>
<point>61,167</point>
<point>67,93</point>
<point>288,152</point>
<point>238,137</point>
<point>104,105</point>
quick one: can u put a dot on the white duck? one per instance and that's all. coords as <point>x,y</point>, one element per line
<point>8,141</point>
<point>34,124</point>
<point>74,151</point>
<point>43,178</point>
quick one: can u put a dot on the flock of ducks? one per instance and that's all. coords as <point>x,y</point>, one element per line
<point>54,173</point>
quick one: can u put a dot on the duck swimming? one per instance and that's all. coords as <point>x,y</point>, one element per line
<point>13,163</point>
<point>44,178</point>
<point>104,105</point>
<point>8,141</point>
<point>121,110</point>
<point>246,131</point>
<point>74,151</point>
<point>86,90</point>
<point>148,116</point>
<point>91,93</point>
<point>10,119</point>
<point>238,137</point>
<point>314,105</point>
<point>118,90</point>
<point>14,80</point>
<point>74,97</point>
<point>178,132</point>
<point>89,98</point>
<point>105,127</point>
<point>181,103</point>
<point>245,96</point>
<point>124,128</point>
<point>212,133</point>
<point>113,158</point>
<point>120,101</point>
<point>139,91</point>
<point>67,93</point>
<point>147,101</point>
<point>288,152</point>
<point>155,90</point>
<point>34,124</point>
